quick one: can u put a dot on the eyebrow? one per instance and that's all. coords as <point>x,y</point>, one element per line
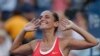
<point>46,15</point>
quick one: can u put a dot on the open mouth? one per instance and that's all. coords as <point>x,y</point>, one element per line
<point>44,22</point>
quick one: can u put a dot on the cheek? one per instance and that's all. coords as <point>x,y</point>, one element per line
<point>51,24</point>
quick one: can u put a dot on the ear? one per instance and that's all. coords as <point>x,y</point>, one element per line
<point>56,24</point>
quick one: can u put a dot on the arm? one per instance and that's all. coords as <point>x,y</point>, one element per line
<point>17,47</point>
<point>89,41</point>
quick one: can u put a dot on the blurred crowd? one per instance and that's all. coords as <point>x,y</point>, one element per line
<point>15,14</point>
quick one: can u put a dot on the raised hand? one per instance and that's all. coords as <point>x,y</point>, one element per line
<point>31,26</point>
<point>65,24</point>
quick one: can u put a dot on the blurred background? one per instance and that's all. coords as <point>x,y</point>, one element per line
<point>14,14</point>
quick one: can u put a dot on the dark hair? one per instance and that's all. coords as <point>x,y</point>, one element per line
<point>17,12</point>
<point>56,18</point>
<point>72,13</point>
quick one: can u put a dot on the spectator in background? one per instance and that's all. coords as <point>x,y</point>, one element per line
<point>81,19</point>
<point>5,41</point>
<point>79,4</point>
<point>22,4</point>
<point>43,5</point>
<point>78,17</point>
<point>0,15</point>
<point>7,6</point>
<point>93,11</point>
<point>61,5</point>
<point>30,2</point>
<point>28,12</point>
<point>15,24</point>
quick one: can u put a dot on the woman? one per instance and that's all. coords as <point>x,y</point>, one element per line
<point>51,45</point>
<point>5,41</point>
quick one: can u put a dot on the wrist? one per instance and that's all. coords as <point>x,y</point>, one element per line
<point>23,31</point>
<point>75,27</point>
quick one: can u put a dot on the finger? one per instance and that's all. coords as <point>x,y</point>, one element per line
<point>63,24</point>
<point>61,28</point>
<point>66,22</point>
<point>37,22</point>
<point>33,20</point>
<point>37,26</point>
<point>65,19</point>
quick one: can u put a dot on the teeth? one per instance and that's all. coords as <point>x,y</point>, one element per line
<point>43,23</point>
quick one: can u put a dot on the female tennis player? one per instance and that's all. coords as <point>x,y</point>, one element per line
<point>51,45</point>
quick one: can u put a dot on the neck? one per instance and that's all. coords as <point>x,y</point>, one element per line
<point>48,35</point>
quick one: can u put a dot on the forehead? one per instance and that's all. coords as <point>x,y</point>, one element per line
<point>46,13</point>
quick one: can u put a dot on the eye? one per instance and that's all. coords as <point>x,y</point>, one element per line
<point>47,16</point>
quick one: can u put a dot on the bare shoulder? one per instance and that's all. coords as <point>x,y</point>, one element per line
<point>33,43</point>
